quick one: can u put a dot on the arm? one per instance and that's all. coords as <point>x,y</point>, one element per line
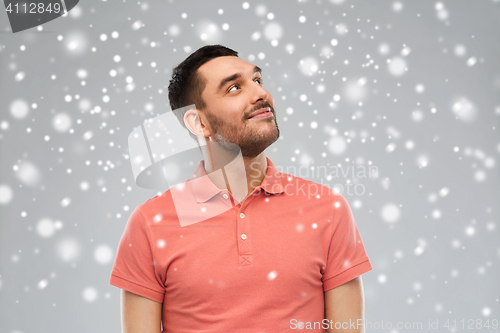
<point>139,314</point>
<point>345,304</point>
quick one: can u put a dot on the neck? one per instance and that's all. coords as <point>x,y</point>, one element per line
<point>238,174</point>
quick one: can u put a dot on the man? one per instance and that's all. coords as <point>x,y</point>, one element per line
<point>280,253</point>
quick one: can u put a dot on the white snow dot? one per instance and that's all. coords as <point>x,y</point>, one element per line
<point>341,29</point>
<point>273,30</point>
<point>28,173</point>
<point>272,275</point>
<point>65,202</point>
<point>464,109</point>
<point>103,254</point>
<point>68,249</point>
<point>397,6</point>
<point>19,109</point>
<point>460,50</point>
<point>61,122</point>
<point>5,194</point>
<point>89,294</point>
<point>81,74</point>
<point>470,231</point>
<point>42,284</point>
<point>137,25</point>
<point>479,175</point>
<point>471,61</point>
<point>19,76</point>
<point>486,311</point>
<point>337,145</point>
<point>417,116</point>
<point>397,66</point>
<point>260,10</point>
<point>422,161</point>
<point>390,213</point>
<point>384,48</point>
<point>174,30</point>
<point>45,228</point>
<point>444,191</point>
<point>419,88</point>
<point>308,66</point>
<point>84,186</point>
<point>320,88</point>
<point>390,147</point>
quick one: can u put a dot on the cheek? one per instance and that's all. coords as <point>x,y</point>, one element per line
<point>235,111</point>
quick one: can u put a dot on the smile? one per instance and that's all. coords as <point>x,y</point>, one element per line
<point>262,115</point>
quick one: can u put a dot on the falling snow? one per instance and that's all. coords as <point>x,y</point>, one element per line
<point>408,88</point>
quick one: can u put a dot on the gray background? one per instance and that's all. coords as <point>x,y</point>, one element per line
<point>418,85</point>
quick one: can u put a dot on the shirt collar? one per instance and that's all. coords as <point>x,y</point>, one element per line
<point>204,189</point>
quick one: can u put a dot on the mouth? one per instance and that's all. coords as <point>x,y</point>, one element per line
<point>262,113</point>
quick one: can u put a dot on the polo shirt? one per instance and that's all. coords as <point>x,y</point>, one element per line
<point>262,265</point>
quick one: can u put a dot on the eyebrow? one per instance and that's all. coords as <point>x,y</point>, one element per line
<point>234,77</point>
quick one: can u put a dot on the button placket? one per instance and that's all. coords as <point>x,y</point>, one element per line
<point>244,239</point>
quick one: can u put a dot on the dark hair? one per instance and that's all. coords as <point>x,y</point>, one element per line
<point>187,83</point>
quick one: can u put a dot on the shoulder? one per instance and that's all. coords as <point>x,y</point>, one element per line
<point>158,208</point>
<point>300,186</point>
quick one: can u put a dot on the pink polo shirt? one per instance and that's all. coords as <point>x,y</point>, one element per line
<point>261,266</point>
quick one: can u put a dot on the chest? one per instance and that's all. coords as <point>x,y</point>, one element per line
<point>209,261</point>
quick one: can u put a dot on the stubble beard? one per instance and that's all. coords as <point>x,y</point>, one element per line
<point>247,140</point>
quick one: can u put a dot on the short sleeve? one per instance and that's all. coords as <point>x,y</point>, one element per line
<point>134,266</point>
<point>346,258</point>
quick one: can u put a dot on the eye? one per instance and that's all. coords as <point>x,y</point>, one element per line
<point>236,85</point>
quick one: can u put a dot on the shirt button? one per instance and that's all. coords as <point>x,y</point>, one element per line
<point>242,215</point>
<point>225,196</point>
<point>243,236</point>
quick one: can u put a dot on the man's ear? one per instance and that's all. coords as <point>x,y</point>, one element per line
<point>195,124</point>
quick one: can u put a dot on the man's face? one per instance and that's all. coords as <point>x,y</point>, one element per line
<point>230,106</point>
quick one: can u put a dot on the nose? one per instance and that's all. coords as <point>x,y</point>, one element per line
<point>259,94</point>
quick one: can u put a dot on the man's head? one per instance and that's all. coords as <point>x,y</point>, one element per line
<point>227,91</point>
